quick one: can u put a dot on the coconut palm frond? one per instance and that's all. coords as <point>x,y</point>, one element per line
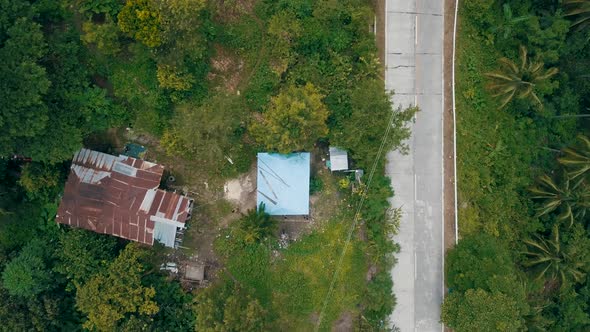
<point>518,80</point>
<point>569,196</point>
<point>577,158</point>
<point>579,11</point>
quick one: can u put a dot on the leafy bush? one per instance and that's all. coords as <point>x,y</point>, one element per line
<point>105,36</point>
<point>135,82</point>
<point>141,21</point>
<point>316,185</point>
<point>263,84</point>
<point>257,225</point>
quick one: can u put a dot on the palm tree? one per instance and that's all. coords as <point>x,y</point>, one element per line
<point>577,159</point>
<point>580,12</point>
<point>571,197</point>
<point>518,81</point>
<point>551,261</point>
<point>257,225</point>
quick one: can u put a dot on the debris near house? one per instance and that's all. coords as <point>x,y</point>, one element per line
<point>120,196</point>
<point>283,240</point>
<point>170,267</point>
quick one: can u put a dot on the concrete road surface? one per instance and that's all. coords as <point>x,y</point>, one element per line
<point>413,60</point>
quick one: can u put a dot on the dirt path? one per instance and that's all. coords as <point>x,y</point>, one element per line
<point>379,8</point>
<point>449,191</point>
<point>448,130</point>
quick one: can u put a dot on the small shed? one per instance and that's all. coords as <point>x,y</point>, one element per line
<point>338,159</point>
<point>195,272</point>
<point>283,183</point>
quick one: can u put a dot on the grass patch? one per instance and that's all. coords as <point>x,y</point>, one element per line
<point>302,278</point>
<point>294,281</point>
<point>135,82</point>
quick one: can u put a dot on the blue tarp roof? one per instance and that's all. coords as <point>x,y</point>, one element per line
<point>283,183</point>
<point>134,150</point>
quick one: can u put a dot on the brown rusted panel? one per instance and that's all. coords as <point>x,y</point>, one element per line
<point>166,200</point>
<point>149,223</point>
<point>183,211</point>
<point>127,230</point>
<point>133,231</point>
<point>156,203</point>
<point>149,239</point>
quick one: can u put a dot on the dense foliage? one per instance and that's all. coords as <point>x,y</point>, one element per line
<point>522,95</point>
<point>49,101</point>
<point>209,83</point>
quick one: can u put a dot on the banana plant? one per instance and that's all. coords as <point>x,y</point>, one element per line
<point>506,28</point>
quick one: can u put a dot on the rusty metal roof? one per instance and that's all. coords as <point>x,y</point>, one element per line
<point>119,196</point>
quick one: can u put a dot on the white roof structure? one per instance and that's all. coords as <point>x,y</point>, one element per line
<point>338,159</point>
<point>283,183</point>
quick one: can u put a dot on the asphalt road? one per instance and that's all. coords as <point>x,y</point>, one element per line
<point>413,60</point>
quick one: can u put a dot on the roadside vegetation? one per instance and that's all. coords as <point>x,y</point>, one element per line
<point>206,85</point>
<point>522,125</point>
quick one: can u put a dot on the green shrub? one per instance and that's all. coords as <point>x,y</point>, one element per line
<point>316,185</point>
<point>262,85</point>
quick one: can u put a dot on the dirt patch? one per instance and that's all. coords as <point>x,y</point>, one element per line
<point>343,323</point>
<point>208,219</point>
<point>108,141</point>
<point>371,272</point>
<point>241,192</point>
<point>226,69</point>
<point>227,11</point>
<point>293,228</point>
<point>104,83</point>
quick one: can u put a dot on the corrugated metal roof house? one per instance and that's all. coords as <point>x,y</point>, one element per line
<point>120,196</point>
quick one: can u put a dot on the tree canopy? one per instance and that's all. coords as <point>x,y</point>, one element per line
<point>28,274</point>
<point>109,297</point>
<point>295,120</point>
<point>142,20</point>
<point>210,84</point>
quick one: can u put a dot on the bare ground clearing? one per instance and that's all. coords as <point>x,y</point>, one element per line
<point>227,69</point>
